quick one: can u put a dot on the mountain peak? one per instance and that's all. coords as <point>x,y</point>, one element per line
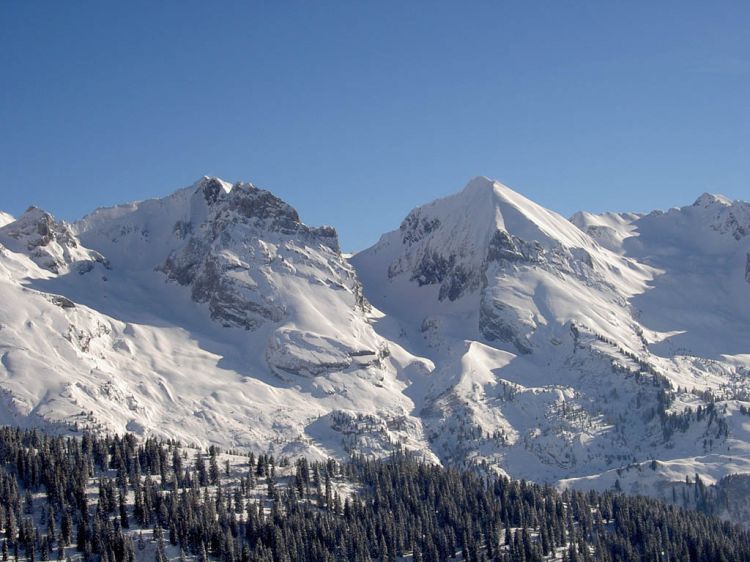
<point>516,214</point>
<point>33,213</point>
<point>478,183</point>
<point>49,243</point>
<point>500,193</point>
<point>36,227</point>
<point>449,242</point>
<point>711,199</point>
<point>6,218</point>
<point>212,188</point>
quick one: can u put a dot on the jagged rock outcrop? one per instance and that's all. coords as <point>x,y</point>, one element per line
<point>499,322</point>
<point>725,216</point>
<point>49,243</point>
<point>240,235</point>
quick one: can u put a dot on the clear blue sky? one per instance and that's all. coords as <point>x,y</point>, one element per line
<point>355,112</point>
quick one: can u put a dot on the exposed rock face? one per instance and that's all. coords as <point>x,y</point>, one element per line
<point>309,354</point>
<point>504,247</point>
<point>726,216</point>
<point>239,235</point>
<point>61,301</point>
<point>747,268</point>
<point>246,204</point>
<point>231,302</point>
<point>454,278</point>
<point>49,243</point>
<point>427,263</point>
<point>503,323</point>
<point>737,226</point>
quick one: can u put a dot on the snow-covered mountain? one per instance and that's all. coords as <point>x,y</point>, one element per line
<point>486,330</point>
<point>215,317</point>
<point>561,347</point>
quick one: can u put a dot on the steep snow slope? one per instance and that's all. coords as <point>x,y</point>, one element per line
<point>5,218</point>
<point>544,366</point>
<point>608,229</point>
<point>218,317</point>
<point>701,254</point>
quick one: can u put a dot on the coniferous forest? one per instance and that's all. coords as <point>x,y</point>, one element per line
<point>121,499</point>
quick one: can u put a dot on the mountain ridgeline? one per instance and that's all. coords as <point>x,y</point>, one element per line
<point>593,353</point>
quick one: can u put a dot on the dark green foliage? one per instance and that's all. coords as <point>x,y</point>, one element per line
<point>277,512</point>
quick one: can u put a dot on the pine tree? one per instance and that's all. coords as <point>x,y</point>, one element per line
<point>213,466</point>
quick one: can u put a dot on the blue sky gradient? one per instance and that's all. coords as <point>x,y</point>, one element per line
<point>355,112</point>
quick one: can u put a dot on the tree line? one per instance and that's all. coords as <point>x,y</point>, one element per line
<point>121,499</point>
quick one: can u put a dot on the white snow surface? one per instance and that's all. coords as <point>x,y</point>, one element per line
<point>494,332</point>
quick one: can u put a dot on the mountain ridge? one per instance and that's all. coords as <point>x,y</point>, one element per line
<point>486,331</point>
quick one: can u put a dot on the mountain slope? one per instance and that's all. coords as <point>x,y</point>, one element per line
<point>701,254</point>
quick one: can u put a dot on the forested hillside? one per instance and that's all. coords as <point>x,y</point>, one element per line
<point>118,499</point>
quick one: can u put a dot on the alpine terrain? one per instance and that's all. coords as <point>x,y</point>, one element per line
<point>604,351</point>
